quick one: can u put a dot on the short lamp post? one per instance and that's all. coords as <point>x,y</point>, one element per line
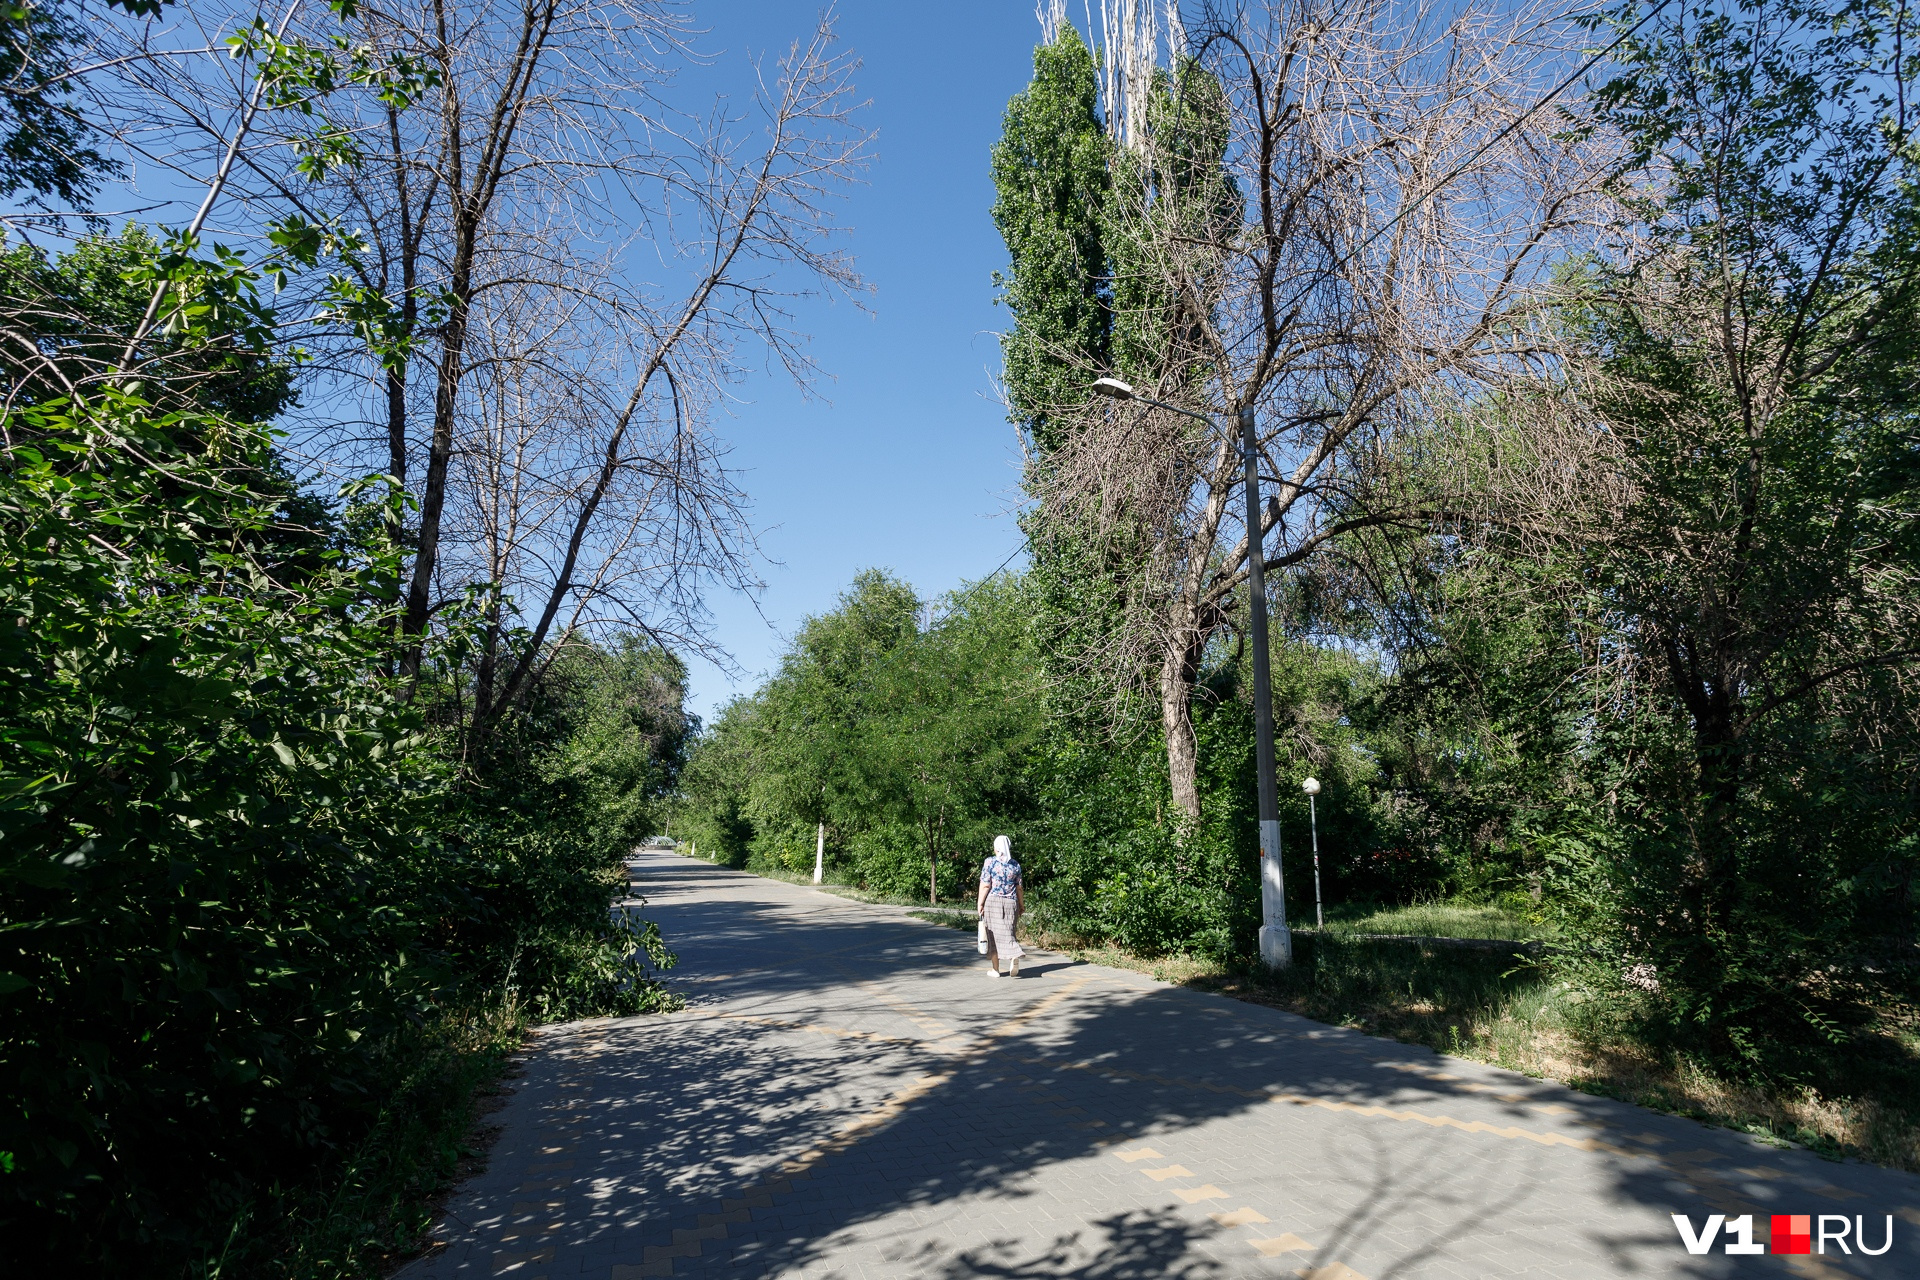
<point>1312,787</point>
<point>1276,942</point>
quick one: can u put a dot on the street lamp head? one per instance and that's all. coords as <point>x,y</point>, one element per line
<point>1113,387</point>
<point>1311,786</point>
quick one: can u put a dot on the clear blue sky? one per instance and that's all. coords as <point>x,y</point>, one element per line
<point>909,464</point>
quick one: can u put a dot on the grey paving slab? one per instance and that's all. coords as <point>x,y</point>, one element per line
<point>849,1095</point>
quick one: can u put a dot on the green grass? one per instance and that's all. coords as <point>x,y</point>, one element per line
<point>1433,920</point>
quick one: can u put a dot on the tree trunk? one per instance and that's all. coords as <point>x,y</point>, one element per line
<point>469,204</point>
<point>440,449</point>
<point>1177,674</point>
<point>409,309</point>
<point>1701,677</point>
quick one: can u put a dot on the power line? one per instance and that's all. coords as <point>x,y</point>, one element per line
<point>965,596</point>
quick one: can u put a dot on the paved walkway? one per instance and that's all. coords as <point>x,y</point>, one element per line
<point>849,1094</point>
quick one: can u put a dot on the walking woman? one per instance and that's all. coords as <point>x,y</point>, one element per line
<point>1002,899</point>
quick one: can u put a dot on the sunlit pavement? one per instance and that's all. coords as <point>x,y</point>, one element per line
<point>849,1094</point>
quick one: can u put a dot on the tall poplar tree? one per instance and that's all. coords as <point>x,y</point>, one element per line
<point>1073,207</point>
<point>1050,173</point>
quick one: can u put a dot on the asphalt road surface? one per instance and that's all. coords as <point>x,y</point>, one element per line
<point>849,1094</point>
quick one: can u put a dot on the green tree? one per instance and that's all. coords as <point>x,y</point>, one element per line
<point>259,922</point>
<point>1757,366</point>
<point>46,145</point>
<point>911,744</point>
<point>1072,208</point>
<point>78,308</point>
<point>1052,190</point>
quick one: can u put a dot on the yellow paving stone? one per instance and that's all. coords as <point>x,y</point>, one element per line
<point>1171,1171</point>
<point>1414,1068</point>
<point>1332,1271</point>
<point>1144,1153</point>
<point>1194,1195</point>
<point>1239,1217</point>
<point>1288,1243</point>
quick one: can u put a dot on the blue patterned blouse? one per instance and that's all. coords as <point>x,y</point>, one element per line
<point>1001,878</point>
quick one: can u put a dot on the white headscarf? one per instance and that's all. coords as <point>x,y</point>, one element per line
<point>1003,848</point>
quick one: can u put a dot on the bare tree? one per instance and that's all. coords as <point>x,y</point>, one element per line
<point>577,398</point>
<point>551,276</point>
<point>1399,195</point>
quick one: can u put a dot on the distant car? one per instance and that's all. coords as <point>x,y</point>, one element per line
<point>661,842</point>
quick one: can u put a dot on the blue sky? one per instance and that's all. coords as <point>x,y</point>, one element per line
<point>907,461</point>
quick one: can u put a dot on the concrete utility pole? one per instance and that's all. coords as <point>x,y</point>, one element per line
<point>1276,941</point>
<point>1312,787</point>
<point>819,852</point>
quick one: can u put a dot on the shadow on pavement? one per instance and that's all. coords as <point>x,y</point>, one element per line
<point>812,1016</point>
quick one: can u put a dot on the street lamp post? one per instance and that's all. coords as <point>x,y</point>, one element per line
<point>1312,787</point>
<point>1276,942</point>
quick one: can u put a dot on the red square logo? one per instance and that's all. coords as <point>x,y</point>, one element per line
<point>1793,1233</point>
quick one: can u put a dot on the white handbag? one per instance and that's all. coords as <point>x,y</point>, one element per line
<point>981,945</point>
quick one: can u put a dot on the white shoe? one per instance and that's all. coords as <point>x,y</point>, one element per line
<point>993,973</point>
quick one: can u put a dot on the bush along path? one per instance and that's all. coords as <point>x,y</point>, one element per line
<point>263,933</point>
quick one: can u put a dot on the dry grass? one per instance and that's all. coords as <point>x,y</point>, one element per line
<point>1860,1127</point>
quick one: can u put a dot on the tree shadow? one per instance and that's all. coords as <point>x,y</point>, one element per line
<point>1121,1246</point>
<point>811,1119</point>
